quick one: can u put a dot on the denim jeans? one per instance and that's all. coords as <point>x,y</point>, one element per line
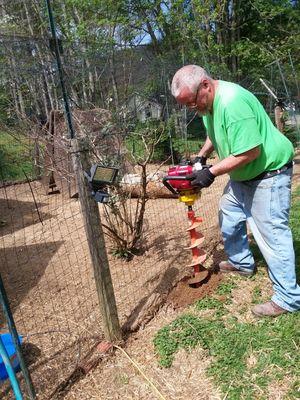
<point>264,205</point>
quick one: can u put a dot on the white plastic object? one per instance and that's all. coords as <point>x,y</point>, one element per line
<point>197,166</point>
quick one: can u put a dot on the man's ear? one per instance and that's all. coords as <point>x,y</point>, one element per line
<point>205,83</point>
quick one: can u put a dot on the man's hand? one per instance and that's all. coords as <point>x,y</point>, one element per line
<point>201,179</point>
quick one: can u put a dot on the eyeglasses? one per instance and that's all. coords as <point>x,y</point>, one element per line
<point>193,104</point>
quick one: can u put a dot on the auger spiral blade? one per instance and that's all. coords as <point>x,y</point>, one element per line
<point>198,278</point>
<point>198,260</point>
<point>194,225</point>
<point>195,243</point>
<point>199,255</point>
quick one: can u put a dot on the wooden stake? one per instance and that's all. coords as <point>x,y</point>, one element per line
<point>95,237</point>
<point>279,117</point>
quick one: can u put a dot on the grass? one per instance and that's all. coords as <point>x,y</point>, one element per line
<point>246,357</point>
<point>15,157</point>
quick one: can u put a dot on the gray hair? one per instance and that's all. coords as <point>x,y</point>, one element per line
<point>189,77</point>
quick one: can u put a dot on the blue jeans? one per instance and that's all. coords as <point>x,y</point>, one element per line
<point>265,205</point>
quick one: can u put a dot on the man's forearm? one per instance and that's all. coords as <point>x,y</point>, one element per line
<point>232,162</point>
<point>206,149</point>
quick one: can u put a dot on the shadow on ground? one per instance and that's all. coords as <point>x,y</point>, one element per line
<point>22,267</point>
<point>150,304</point>
<point>16,215</point>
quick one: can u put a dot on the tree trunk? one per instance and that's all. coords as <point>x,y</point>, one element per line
<point>234,35</point>
<point>18,90</point>
<point>113,79</point>
<point>46,84</point>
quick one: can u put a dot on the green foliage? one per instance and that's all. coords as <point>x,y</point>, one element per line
<point>256,295</point>
<point>152,130</point>
<point>271,344</point>
<point>211,303</point>
<point>146,136</point>
<point>183,148</point>
<point>122,253</point>
<point>4,107</point>
<point>185,332</point>
<point>15,157</point>
<point>225,288</point>
<point>115,40</point>
<point>208,302</point>
<point>293,135</point>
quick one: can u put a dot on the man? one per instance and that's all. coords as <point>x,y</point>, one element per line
<point>258,159</point>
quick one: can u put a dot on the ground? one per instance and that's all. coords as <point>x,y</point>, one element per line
<point>48,275</point>
<point>118,377</point>
<point>49,280</point>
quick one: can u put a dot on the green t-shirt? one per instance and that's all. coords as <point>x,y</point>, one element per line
<point>238,124</point>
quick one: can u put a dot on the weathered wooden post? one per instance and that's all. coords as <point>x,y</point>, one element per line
<point>90,211</point>
<point>95,237</point>
<point>278,112</point>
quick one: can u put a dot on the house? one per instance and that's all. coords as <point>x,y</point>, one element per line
<point>143,108</point>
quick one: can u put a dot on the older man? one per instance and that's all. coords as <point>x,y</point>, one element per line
<point>258,159</point>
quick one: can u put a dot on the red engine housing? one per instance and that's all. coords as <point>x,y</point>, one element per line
<point>180,170</point>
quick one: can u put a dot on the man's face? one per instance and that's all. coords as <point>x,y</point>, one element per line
<point>201,101</point>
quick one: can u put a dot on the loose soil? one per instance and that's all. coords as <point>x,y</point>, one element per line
<point>184,295</point>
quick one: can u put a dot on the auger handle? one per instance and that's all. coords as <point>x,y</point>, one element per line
<point>174,178</point>
<point>167,185</point>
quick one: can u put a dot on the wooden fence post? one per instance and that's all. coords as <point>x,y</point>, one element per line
<point>95,237</point>
<point>279,121</point>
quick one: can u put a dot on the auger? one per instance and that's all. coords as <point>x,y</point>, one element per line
<point>178,183</point>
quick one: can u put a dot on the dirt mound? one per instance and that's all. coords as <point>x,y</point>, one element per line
<point>184,295</point>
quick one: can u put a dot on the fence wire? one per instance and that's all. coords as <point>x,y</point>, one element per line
<point>45,261</point>
<point>47,271</point>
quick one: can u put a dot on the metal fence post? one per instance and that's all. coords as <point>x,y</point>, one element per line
<point>95,237</point>
<point>13,331</point>
<point>10,372</point>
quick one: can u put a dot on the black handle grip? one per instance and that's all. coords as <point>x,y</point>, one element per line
<point>177,178</point>
<point>173,178</point>
<point>168,186</point>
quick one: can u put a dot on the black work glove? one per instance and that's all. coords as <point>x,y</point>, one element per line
<point>200,159</point>
<point>202,178</point>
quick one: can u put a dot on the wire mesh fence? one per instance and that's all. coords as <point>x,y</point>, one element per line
<point>44,250</point>
<point>47,271</point>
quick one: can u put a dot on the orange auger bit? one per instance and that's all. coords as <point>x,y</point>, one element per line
<point>199,255</point>
<point>177,182</point>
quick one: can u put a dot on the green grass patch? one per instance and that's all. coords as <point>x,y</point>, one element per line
<point>256,295</point>
<point>186,332</point>
<point>271,345</point>
<point>208,303</point>
<point>246,357</point>
<point>15,157</point>
<point>225,288</point>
